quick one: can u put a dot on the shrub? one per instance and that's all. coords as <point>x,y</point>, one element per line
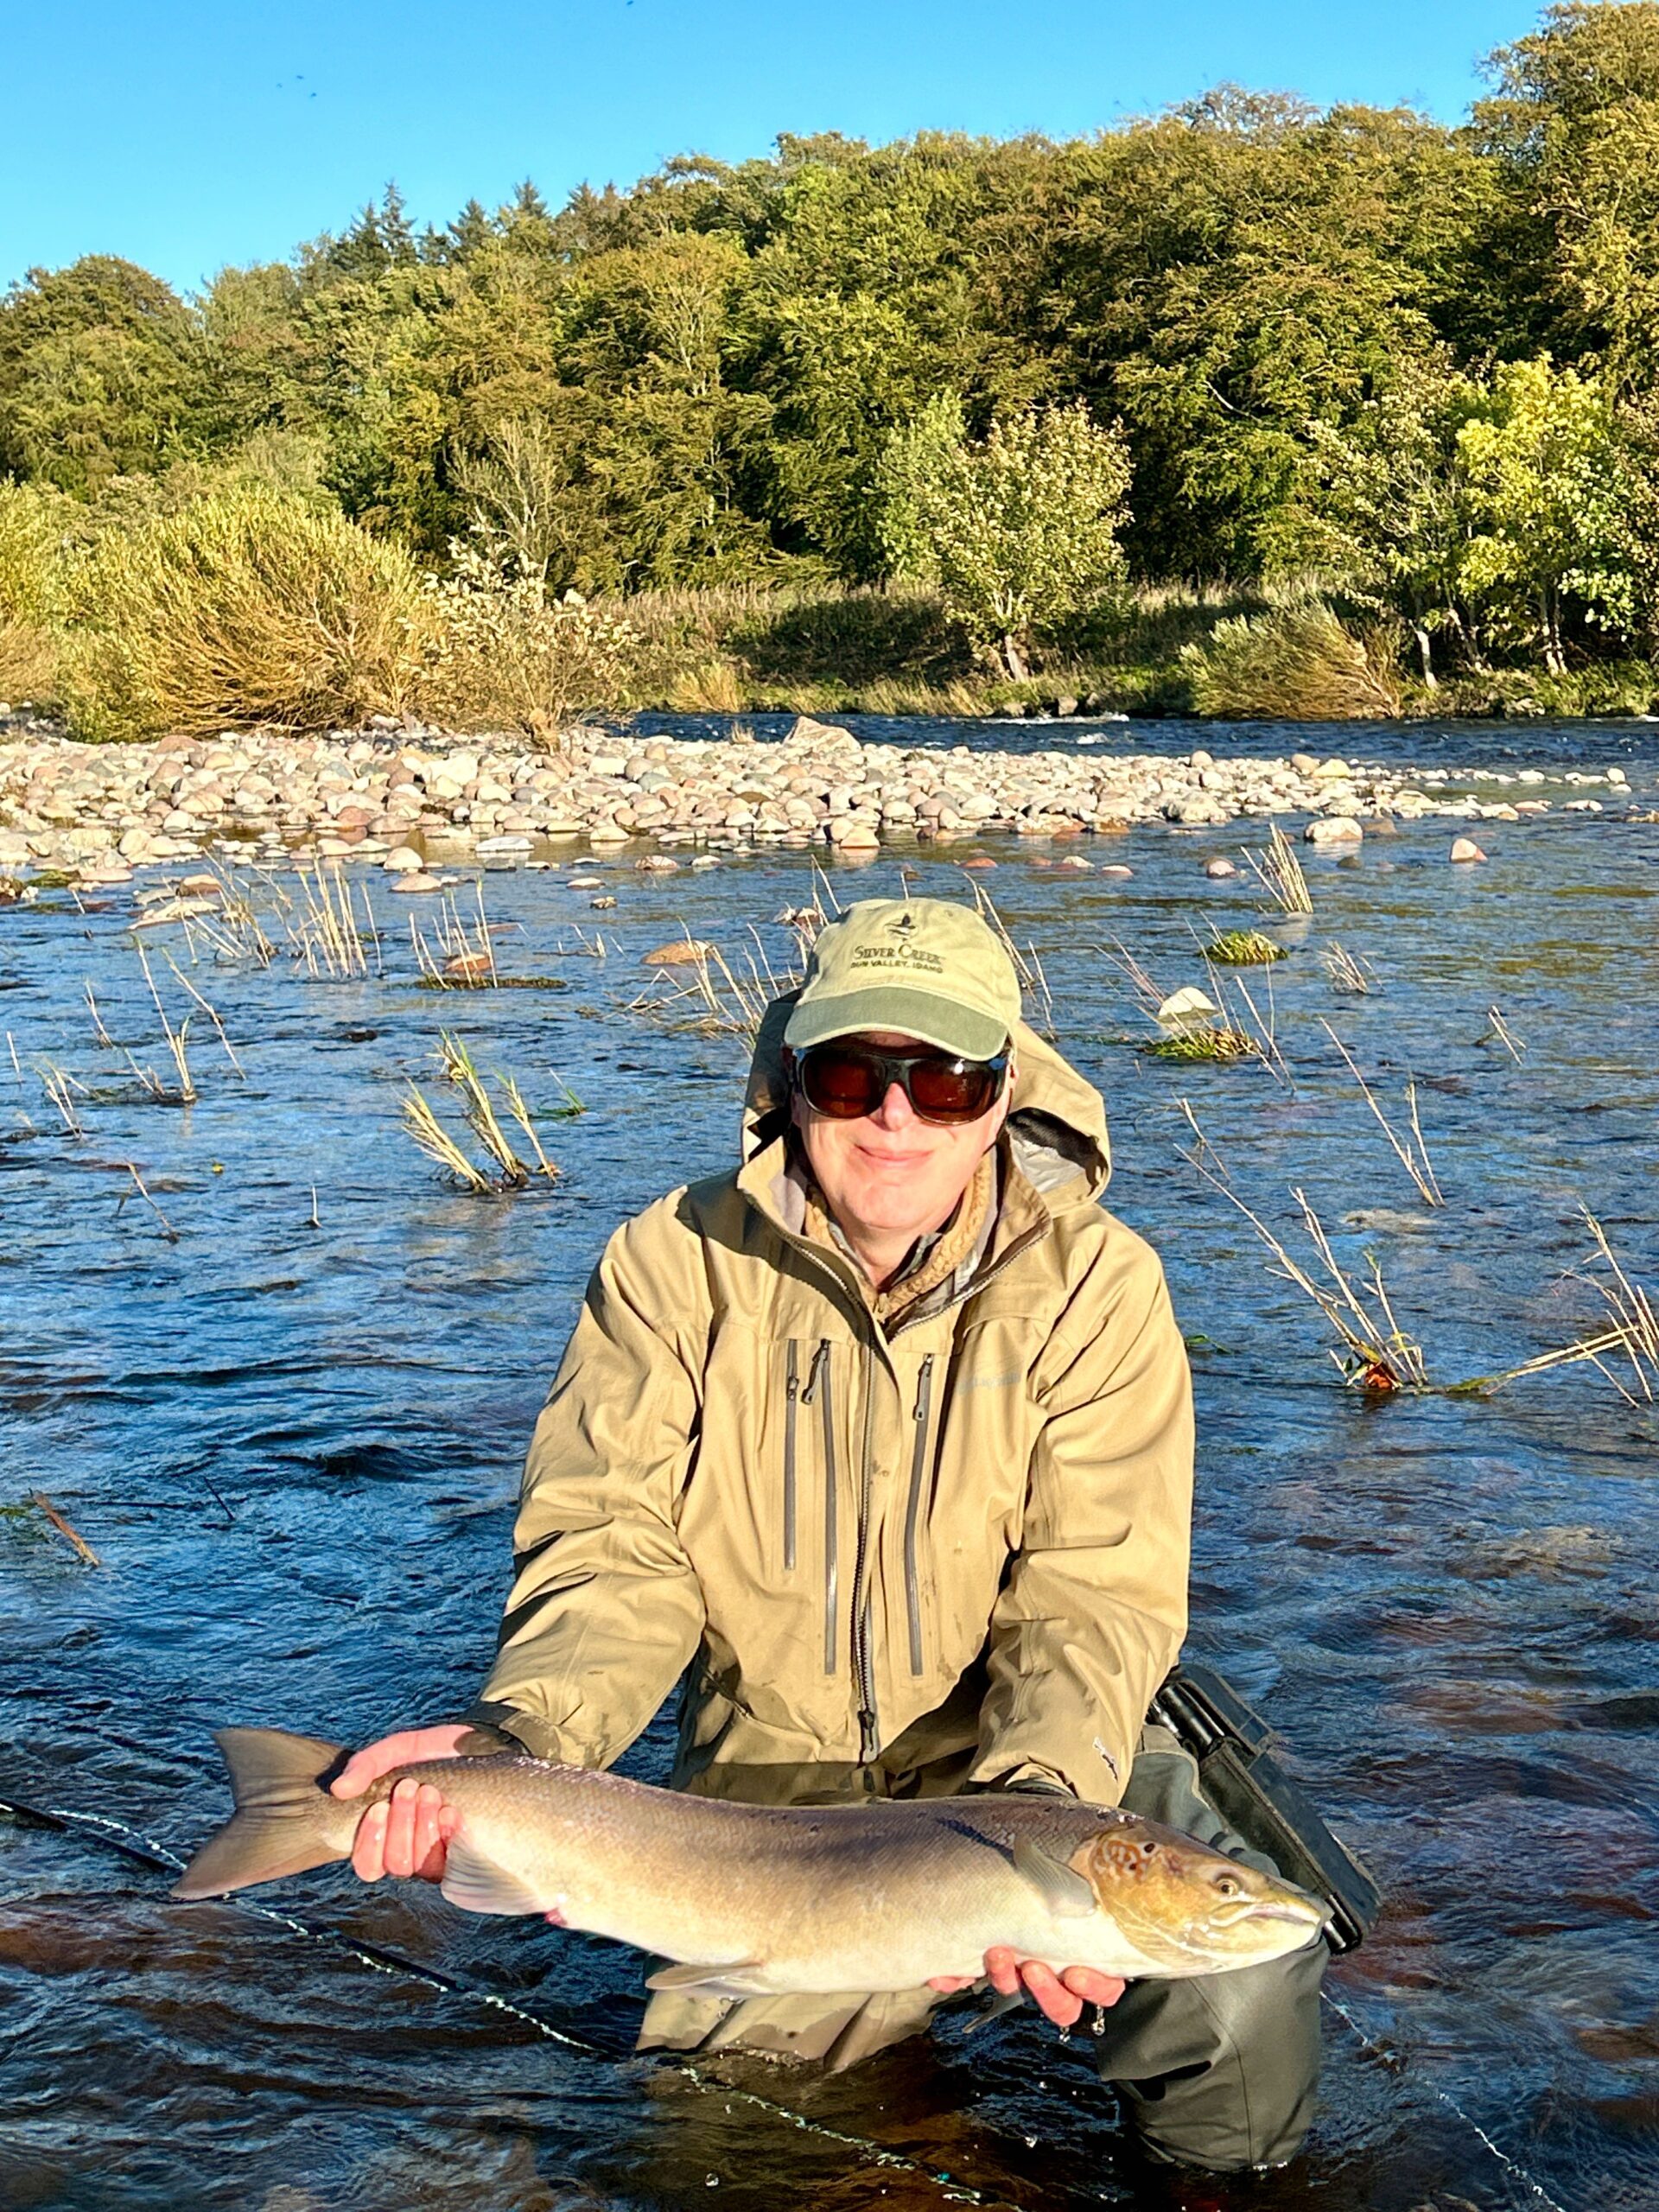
<point>1020,531</point>
<point>32,542</point>
<point>505,656</point>
<point>245,606</point>
<point>1293,664</point>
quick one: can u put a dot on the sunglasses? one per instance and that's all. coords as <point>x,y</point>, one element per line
<point>845,1082</point>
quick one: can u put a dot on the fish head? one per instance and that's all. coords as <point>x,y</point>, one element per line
<point>1189,1908</point>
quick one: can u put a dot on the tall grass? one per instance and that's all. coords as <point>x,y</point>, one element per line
<point>246,607</point>
<point>33,534</point>
<point>1292,663</point>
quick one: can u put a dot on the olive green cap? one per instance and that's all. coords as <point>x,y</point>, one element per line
<point>923,968</point>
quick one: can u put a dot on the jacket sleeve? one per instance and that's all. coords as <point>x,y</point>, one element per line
<point>1093,1607</point>
<point>605,1609</point>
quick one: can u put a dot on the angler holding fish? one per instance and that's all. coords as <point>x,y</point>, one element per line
<point>883,1443</point>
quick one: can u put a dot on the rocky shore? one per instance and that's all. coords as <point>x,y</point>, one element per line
<point>400,796</point>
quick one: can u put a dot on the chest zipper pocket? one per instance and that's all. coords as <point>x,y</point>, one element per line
<point>913,1510</point>
<point>817,1385</point>
<point>791,1415</point>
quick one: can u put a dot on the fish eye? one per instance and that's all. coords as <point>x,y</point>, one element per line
<point>1148,1850</point>
<point>1226,1885</point>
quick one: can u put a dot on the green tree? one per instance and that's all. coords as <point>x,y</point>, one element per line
<point>1020,531</point>
<point>1572,129</point>
<point>101,374</point>
<point>1549,495</point>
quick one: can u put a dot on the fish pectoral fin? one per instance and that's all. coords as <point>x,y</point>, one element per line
<point>698,1981</point>
<point>1062,1888</point>
<point>477,1884</point>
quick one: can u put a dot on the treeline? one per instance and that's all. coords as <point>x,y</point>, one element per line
<point>1416,363</point>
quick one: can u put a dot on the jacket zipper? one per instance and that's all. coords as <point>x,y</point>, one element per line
<point>817,1382</point>
<point>791,1402</point>
<point>869,1732</point>
<point>913,1511</point>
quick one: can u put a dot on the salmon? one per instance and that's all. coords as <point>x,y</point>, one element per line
<point>766,1901</point>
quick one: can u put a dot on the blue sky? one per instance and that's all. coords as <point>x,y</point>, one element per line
<point>186,136</point>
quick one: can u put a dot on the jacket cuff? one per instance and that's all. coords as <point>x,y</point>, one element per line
<point>514,1730</point>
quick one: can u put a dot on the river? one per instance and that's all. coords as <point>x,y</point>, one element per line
<point>292,1436</point>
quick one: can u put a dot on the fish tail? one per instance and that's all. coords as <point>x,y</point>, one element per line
<point>284,1822</point>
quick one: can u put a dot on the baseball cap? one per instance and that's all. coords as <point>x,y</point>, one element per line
<point>924,966</point>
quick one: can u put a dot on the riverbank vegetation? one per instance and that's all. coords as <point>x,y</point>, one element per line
<point>1249,408</point>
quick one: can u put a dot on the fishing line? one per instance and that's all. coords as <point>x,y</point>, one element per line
<point>1392,2059</point>
<point>144,1851</point>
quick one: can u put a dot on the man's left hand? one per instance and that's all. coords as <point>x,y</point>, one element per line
<point>1060,1996</point>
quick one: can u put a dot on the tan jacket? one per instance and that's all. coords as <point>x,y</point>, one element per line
<point>958,1551</point>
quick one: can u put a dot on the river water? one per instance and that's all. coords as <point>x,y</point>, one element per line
<point>292,1436</point>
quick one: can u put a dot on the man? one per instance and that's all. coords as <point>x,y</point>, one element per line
<point>887,1438</point>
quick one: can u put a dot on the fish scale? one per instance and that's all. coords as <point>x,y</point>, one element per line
<point>775,1900</point>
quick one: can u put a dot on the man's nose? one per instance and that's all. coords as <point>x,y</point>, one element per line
<point>895,1111</point>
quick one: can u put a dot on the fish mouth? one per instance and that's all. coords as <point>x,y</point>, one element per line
<point>1301,1912</point>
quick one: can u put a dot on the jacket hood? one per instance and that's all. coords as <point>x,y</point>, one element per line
<point>1056,1131</point>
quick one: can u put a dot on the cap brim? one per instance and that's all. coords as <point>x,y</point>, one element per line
<point>942,1023</point>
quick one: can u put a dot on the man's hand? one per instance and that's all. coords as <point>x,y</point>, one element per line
<point>1060,1996</point>
<point>409,1832</point>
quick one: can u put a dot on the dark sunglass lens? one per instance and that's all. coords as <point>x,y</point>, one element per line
<point>950,1090</point>
<point>840,1084</point>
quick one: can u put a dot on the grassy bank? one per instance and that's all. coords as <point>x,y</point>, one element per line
<point>246,602</point>
<point>1215,650</point>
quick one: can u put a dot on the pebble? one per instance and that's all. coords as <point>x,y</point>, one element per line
<point>417,882</point>
<point>1218,870</point>
<point>1465,848</point>
<point>411,800</point>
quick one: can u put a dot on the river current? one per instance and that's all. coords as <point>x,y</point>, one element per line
<point>292,1436</point>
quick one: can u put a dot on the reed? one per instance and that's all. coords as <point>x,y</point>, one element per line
<point>1280,874</point>
<point>1499,1032</point>
<point>481,1117</point>
<point>464,958</point>
<point>1377,1355</point>
<point>212,1012</point>
<point>1347,972</point>
<point>435,1141</point>
<point>60,1087</point>
<point>167,1230</point>
<point>1027,964</point>
<point>176,1039</point>
<point>1411,1152</point>
<point>1635,1328</point>
<point>324,932</point>
<point>99,1032</point>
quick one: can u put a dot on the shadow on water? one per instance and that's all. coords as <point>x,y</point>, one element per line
<point>295,1448</point>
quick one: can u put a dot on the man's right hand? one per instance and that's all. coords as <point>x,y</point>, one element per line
<point>409,1832</point>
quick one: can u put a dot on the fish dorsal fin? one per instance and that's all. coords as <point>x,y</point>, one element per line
<point>702,1980</point>
<point>477,1884</point>
<point>1066,1893</point>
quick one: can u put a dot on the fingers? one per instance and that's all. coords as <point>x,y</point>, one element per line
<point>1054,2000</point>
<point>407,1833</point>
<point>948,1984</point>
<point>1060,1996</point>
<point>373,1760</point>
<point>1094,1988</point>
<point>1003,1967</point>
<point>408,1747</point>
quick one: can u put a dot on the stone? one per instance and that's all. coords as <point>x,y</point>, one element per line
<point>1333,829</point>
<point>853,833</point>
<point>682,952</point>
<point>1465,848</point>
<point>403,859</point>
<point>420,882</point>
<point>1116,868</point>
<point>1218,869</point>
